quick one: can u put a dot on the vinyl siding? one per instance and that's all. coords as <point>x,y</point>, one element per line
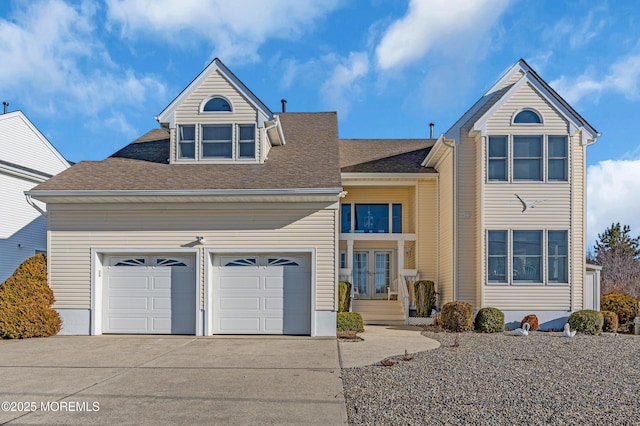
<point>20,224</point>
<point>562,207</point>
<point>74,233</point>
<point>445,224</point>
<point>427,230</point>
<point>466,234</point>
<point>24,145</point>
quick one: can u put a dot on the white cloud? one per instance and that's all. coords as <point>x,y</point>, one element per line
<point>236,28</point>
<point>623,77</point>
<point>445,26</point>
<point>340,89</point>
<point>613,195</point>
<point>48,48</point>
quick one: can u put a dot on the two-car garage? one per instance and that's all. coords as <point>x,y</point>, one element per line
<point>256,293</point>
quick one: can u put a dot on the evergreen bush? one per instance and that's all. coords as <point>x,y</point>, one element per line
<point>489,320</point>
<point>425,294</point>
<point>610,324</point>
<point>625,306</point>
<point>457,316</point>
<point>25,302</point>
<point>586,321</point>
<point>349,321</point>
<point>344,296</point>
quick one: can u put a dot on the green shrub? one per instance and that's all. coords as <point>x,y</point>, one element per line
<point>457,316</point>
<point>586,321</point>
<point>625,306</point>
<point>610,324</point>
<point>25,302</point>
<point>344,296</point>
<point>425,294</point>
<point>349,321</point>
<point>489,320</point>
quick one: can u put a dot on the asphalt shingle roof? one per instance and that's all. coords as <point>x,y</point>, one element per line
<point>384,155</point>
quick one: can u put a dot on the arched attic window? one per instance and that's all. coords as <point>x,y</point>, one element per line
<point>527,116</point>
<point>217,104</point>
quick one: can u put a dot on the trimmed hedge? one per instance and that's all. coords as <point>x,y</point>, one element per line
<point>425,294</point>
<point>349,321</point>
<point>532,320</point>
<point>489,320</point>
<point>586,321</point>
<point>25,302</point>
<point>625,306</point>
<point>457,316</point>
<point>610,324</point>
<point>344,296</point>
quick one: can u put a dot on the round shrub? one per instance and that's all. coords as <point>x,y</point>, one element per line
<point>625,306</point>
<point>532,320</point>
<point>610,324</point>
<point>349,321</point>
<point>425,294</point>
<point>586,321</point>
<point>457,316</point>
<point>344,296</point>
<point>25,302</point>
<point>489,320</point>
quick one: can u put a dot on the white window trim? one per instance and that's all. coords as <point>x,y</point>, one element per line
<point>535,111</point>
<point>206,100</point>
<point>390,207</point>
<point>195,145</point>
<point>202,142</point>
<point>238,142</point>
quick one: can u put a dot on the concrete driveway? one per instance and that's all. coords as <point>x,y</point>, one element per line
<point>170,380</point>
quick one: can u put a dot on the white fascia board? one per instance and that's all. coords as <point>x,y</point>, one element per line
<point>23,174</point>
<point>178,194</point>
<point>436,153</point>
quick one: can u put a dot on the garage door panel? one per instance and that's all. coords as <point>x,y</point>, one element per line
<point>240,325</point>
<point>231,304</point>
<point>161,304</point>
<point>241,283</point>
<point>128,282</point>
<point>273,325</point>
<point>273,304</point>
<point>162,283</point>
<point>127,303</point>
<point>128,323</point>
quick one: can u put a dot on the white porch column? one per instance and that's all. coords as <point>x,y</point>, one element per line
<point>401,264</point>
<point>349,259</point>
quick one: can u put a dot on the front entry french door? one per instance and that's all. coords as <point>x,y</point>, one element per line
<point>372,273</point>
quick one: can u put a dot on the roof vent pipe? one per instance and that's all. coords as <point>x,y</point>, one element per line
<point>431,125</point>
<point>284,105</point>
<point>6,106</point>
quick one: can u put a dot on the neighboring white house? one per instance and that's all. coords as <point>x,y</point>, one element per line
<point>27,158</point>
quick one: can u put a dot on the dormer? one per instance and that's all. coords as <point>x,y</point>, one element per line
<point>217,119</point>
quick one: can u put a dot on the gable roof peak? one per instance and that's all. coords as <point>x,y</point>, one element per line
<point>168,114</point>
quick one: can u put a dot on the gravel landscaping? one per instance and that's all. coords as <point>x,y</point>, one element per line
<point>474,378</point>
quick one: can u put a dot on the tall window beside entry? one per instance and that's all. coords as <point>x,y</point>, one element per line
<point>557,158</point>
<point>396,218</point>
<point>498,156</point>
<point>527,158</point>
<point>558,254</point>
<point>345,218</point>
<point>527,256</point>
<point>187,141</point>
<point>497,256</point>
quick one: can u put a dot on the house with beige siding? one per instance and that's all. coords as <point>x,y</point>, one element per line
<point>234,219</point>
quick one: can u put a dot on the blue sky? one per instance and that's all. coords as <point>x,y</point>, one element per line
<point>92,75</point>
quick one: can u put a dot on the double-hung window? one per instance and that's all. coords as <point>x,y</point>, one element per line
<point>498,158</point>
<point>497,257</point>
<point>527,158</point>
<point>557,148</point>
<point>246,141</point>
<point>557,253</point>
<point>527,256</point>
<point>187,141</point>
<point>217,141</point>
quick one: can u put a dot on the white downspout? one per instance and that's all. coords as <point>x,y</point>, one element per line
<point>34,205</point>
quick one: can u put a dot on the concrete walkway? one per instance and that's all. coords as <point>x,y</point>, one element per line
<point>381,342</point>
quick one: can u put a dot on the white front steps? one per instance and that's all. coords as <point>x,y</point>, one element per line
<point>381,312</point>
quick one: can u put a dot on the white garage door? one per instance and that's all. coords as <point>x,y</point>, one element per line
<point>266,294</point>
<point>149,295</point>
